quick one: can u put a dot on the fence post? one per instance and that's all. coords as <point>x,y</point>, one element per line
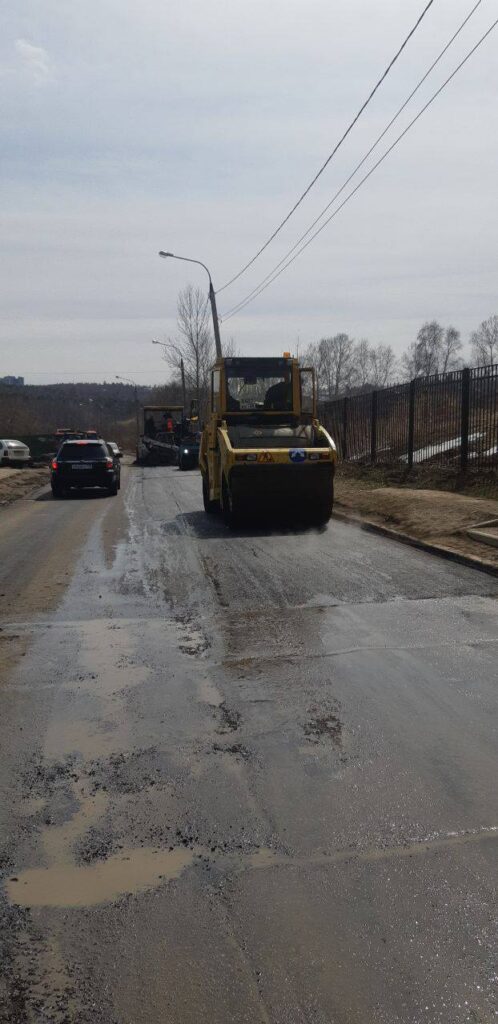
<point>411,423</point>
<point>344,428</point>
<point>464,427</point>
<point>373,440</point>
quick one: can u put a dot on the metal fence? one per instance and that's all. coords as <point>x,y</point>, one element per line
<point>448,419</point>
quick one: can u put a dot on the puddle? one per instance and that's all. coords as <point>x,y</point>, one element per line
<point>110,681</point>
<point>133,871</point>
<point>32,805</point>
<point>89,739</point>
<point>107,655</point>
<point>209,693</point>
<point>266,858</point>
<point>107,668</point>
<point>127,873</point>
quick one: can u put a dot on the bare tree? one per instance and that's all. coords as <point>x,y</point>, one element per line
<point>362,360</point>
<point>229,347</point>
<point>335,360</point>
<point>383,366</point>
<point>436,350</point>
<point>423,357</point>
<point>194,342</point>
<point>451,345</point>
<point>484,342</point>
<point>310,357</point>
<point>341,365</point>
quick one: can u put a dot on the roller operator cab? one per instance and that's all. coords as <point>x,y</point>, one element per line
<point>263,450</point>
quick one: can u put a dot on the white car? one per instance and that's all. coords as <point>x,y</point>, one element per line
<point>14,453</point>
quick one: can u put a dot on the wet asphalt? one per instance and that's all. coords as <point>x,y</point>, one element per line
<point>246,777</point>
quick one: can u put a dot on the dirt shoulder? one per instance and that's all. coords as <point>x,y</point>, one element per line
<point>434,516</point>
<point>20,483</point>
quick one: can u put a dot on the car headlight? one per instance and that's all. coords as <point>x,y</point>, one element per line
<point>185,451</point>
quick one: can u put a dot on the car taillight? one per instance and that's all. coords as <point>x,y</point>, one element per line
<point>109,463</point>
<point>54,464</point>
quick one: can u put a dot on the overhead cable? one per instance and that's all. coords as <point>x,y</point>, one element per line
<point>262,286</point>
<point>334,151</point>
<point>372,147</point>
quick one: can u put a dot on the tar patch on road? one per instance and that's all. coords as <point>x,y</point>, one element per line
<point>237,749</point>
<point>324,724</point>
<point>95,845</point>
<point>42,779</point>
<point>228,719</point>
<point>130,772</point>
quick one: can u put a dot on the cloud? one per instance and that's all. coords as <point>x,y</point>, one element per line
<point>35,60</point>
<point>194,127</point>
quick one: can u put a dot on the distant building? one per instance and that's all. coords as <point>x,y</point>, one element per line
<point>13,381</point>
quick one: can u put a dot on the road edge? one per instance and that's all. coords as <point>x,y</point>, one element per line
<point>415,542</point>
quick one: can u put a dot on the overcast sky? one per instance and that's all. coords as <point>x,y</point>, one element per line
<point>193,127</point>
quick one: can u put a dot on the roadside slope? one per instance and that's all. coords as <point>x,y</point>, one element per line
<point>436,517</point>
<point>20,483</point>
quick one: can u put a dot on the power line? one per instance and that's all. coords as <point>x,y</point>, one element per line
<point>335,149</point>
<point>262,286</point>
<point>370,151</point>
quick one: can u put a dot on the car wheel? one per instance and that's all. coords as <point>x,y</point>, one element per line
<point>113,489</point>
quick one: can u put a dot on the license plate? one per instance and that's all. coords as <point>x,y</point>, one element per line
<point>81,465</point>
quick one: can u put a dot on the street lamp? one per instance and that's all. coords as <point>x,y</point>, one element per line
<point>212,296</point>
<point>132,382</point>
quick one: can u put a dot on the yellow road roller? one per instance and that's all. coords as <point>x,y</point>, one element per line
<point>263,451</point>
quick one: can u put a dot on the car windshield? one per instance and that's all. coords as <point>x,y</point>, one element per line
<point>75,452</point>
<point>264,386</point>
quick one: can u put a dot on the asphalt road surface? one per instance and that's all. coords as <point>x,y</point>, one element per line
<point>246,777</point>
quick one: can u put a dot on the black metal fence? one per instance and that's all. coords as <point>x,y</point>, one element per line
<point>449,419</point>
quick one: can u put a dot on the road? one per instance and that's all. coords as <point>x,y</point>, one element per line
<point>246,777</point>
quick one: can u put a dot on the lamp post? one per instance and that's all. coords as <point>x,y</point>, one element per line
<point>212,297</point>
<point>132,382</point>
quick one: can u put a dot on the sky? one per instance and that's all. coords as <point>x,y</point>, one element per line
<point>193,127</point>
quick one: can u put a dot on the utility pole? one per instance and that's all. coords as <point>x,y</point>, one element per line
<point>216,325</point>
<point>184,390</point>
<point>212,298</point>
